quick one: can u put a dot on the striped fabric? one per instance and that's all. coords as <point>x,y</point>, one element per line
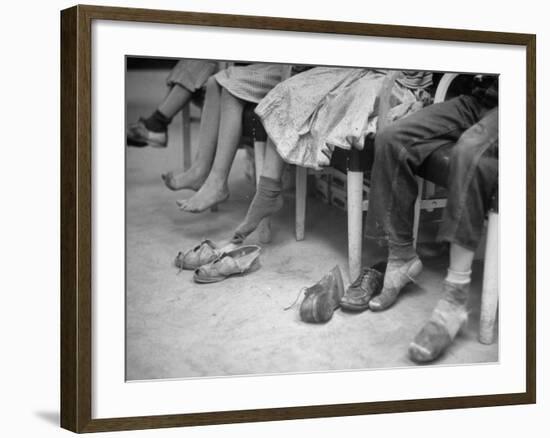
<point>415,79</point>
<point>191,73</point>
<point>251,82</point>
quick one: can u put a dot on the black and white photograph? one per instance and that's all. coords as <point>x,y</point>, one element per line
<point>286,219</point>
<point>275,219</point>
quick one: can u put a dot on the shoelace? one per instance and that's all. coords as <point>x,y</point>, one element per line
<point>359,280</point>
<point>296,300</point>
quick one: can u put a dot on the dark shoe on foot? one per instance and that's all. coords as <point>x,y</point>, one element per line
<point>323,298</point>
<point>137,135</point>
<point>367,285</point>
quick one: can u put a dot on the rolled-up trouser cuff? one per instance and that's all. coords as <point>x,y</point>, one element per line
<point>401,251</point>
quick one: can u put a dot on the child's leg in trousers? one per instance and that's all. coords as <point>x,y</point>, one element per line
<point>153,130</point>
<point>268,198</point>
<point>174,101</point>
<point>184,79</point>
<point>194,177</point>
<point>401,149</point>
<point>215,189</point>
<point>473,179</point>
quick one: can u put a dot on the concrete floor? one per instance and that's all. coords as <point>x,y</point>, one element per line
<point>178,329</point>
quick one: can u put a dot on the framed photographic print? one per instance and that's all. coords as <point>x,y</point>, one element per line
<point>268,218</point>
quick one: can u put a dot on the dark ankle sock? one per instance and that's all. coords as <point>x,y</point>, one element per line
<point>157,122</point>
<point>267,200</point>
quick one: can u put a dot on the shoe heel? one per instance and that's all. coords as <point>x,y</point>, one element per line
<point>340,291</point>
<point>316,309</point>
<point>307,309</point>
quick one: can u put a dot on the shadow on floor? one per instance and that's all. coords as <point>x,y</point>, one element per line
<point>51,417</point>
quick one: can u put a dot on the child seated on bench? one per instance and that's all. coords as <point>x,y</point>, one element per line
<point>227,92</point>
<point>470,122</point>
<point>310,114</point>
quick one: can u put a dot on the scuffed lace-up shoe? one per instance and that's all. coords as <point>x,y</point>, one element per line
<point>323,298</point>
<point>367,285</point>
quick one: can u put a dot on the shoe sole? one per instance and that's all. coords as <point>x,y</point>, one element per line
<point>144,143</point>
<point>354,307</point>
<point>206,280</point>
<point>311,314</point>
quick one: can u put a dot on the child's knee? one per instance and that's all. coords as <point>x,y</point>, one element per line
<point>212,82</point>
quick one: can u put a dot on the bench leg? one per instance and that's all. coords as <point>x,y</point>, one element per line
<point>417,207</point>
<point>430,192</point>
<point>355,222</point>
<point>489,292</point>
<point>264,229</point>
<point>301,196</point>
<point>186,131</point>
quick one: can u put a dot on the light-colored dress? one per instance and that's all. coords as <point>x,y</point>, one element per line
<point>310,114</point>
<point>191,74</point>
<point>250,82</point>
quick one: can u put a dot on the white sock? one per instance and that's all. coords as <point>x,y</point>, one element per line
<point>458,277</point>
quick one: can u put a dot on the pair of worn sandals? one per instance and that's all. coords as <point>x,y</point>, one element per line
<point>213,263</point>
<point>324,297</point>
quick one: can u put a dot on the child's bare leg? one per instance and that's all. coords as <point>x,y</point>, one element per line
<point>215,190</point>
<point>268,198</point>
<point>194,177</point>
<point>450,313</point>
<point>273,165</point>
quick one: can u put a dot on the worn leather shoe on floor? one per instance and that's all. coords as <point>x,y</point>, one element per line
<point>201,254</point>
<point>367,285</point>
<point>138,135</point>
<point>323,298</point>
<point>239,261</point>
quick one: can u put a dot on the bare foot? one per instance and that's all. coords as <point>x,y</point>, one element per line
<point>192,178</point>
<point>210,194</point>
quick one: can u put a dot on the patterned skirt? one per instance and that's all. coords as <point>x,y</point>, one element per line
<point>310,114</point>
<point>251,82</point>
<point>191,74</point>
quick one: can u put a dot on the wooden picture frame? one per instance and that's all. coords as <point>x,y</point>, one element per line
<point>76,218</point>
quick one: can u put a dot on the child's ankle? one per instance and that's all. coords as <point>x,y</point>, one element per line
<point>157,122</point>
<point>401,252</point>
<point>456,293</point>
